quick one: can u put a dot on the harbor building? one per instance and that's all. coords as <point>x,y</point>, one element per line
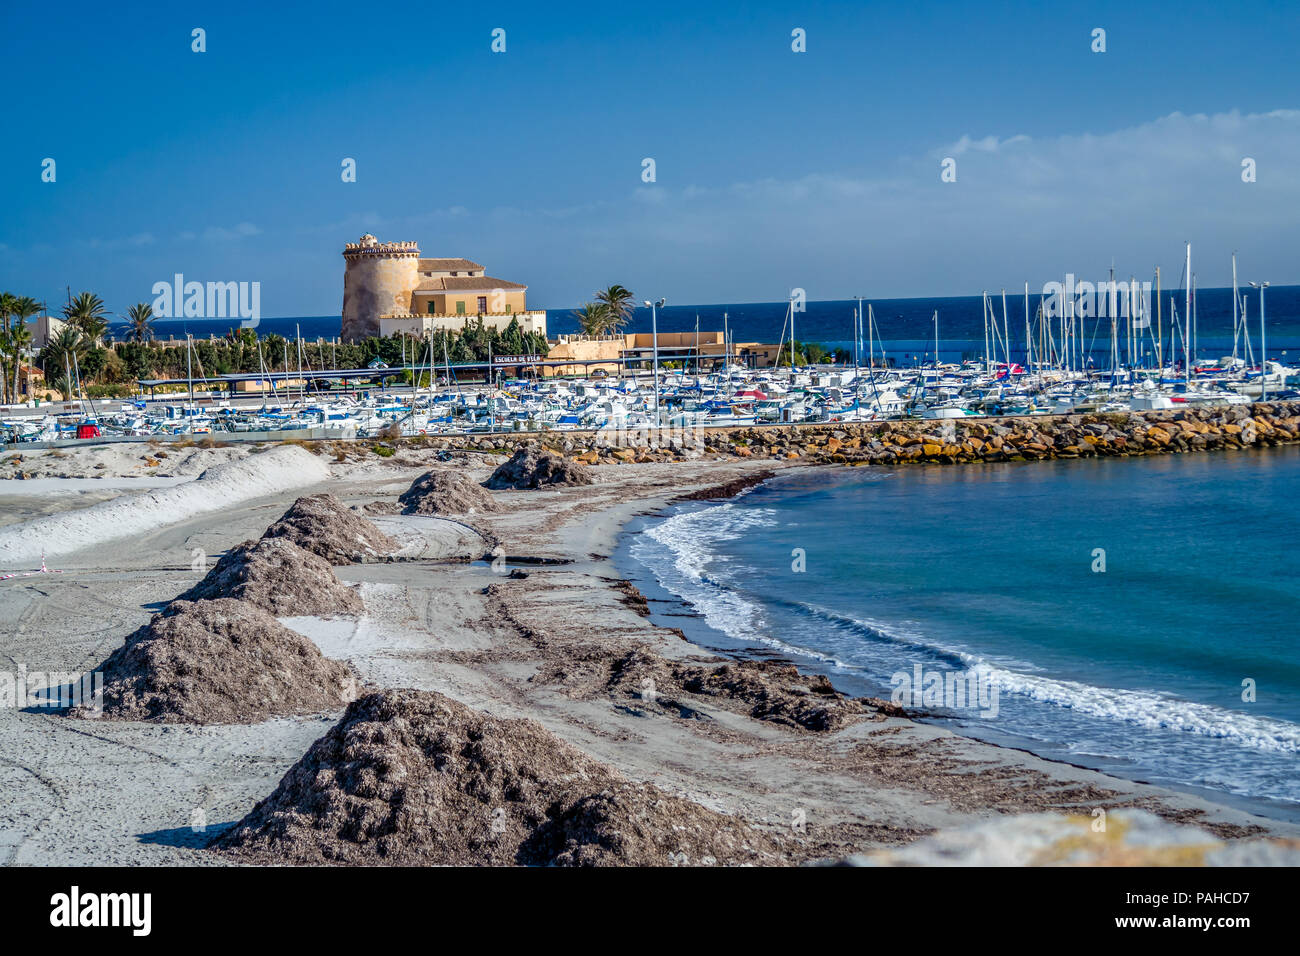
<point>635,350</point>
<point>388,287</point>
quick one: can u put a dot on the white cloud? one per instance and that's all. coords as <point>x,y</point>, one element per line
<point>122,242</point>
<point>241,230</point>
<point>1021,208</point>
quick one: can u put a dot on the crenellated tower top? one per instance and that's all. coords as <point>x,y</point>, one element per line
<point>370,247</point>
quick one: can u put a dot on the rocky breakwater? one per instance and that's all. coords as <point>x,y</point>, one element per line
<point>948,441</point>
<point>960,441</point>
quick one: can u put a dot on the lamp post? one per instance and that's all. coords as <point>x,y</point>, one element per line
<point>1263,346</point>
<point>654,331</point>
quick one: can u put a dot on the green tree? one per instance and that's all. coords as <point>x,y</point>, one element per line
<point>140,316</point>
<point>138,359</point>
<point>20,340</point>
<point>64,386</point>
<point>7,303</point>
<point>593,317</point>
<point>86,312</point>
<point>619,303</point>
<point>92,364</point>
<point>24,308</point>
<point>63,350</point>
<point>512,339</point>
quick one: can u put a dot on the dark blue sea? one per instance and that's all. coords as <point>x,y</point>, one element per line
<point>1144,668</point>
<point>905,325</point>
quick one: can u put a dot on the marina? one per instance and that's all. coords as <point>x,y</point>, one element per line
<point>368,408</point>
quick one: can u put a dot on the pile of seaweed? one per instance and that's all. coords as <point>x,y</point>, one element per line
<point>413,777</point>
<point>220,662</point>
<point>325,526</point>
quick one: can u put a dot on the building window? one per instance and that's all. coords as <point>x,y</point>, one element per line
<point>460,306</point>
<point>430,304</point>
<point>482,304</point>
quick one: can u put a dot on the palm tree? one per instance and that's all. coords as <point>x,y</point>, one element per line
<point>64,350</point>
<point>6,346</point>
<point>65,386</point>
<point>140,316</point>
<point>25,308</point>
<point>619,304</point>
<point>86,312</point>
<point>593,317</point>
<point>20,337</point>
<point>7,302</point>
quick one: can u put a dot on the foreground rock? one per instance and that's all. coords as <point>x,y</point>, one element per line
<point>323,525</point>
<point>415,778</point>
<point>220,662</point>
<point>534,467</point>
<point>446,493</point>
<point>276,575</point>
<point>1124,838</point>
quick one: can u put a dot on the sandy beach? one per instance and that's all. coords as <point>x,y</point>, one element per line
<point>551,633</point>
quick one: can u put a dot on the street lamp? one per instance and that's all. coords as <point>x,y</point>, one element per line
<point>1263,345</point>
<point>654,331</point>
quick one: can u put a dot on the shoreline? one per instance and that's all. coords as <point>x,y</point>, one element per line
<point>697,630</point>
<point>562,644</point>
<point>654,506</point>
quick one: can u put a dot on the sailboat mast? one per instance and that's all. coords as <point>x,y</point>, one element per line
<point>1235,330</point>
<point>1006,338</point>
<point>871,341</point>
<point>1029,351</point>
<point>792,336</point>
<point>857,332</point>
<point>984,298</point>
<point>1187,319</point>
<point>1194,350</point>
<point>1160,328</point>
<point>1114,326</point>
<point>1132,325</point>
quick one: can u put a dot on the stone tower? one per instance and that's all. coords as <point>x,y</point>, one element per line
<point>378,279</point>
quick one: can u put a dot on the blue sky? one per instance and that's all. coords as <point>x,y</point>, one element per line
<point>774,169</point>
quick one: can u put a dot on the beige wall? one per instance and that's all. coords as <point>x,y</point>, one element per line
<point>644,340</point>
<point>580,348</point>
<point>507,300</point>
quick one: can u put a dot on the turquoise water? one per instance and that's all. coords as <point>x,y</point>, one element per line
<point>1137,669</point>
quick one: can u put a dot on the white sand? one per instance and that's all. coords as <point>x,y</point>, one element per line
<point>271,472</point>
